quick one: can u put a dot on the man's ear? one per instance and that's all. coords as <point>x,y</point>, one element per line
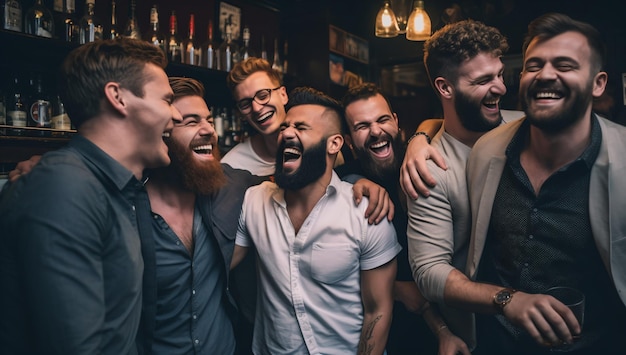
<point>114,95</point>
<point>334,144</point>
<point>443,87</point>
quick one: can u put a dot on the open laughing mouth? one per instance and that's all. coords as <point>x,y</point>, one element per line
<point>204,149</point>
<point>381,149</point>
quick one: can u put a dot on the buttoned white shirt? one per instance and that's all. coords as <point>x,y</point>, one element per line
<point>309,298</point>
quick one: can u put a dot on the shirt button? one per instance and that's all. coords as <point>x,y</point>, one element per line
<point>534,210</point>
<point>525,264</point>
<point>531,236</point>
<point>197,341</point>
<point>193,292</point>
<point>194,316</point>
<point>133,207</point>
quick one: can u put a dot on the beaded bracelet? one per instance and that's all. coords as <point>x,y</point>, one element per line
<point>419,133</point>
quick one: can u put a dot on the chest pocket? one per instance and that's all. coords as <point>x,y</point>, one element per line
<point>332,262</point>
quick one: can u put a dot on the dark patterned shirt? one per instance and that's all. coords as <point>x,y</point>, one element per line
<point>538,241</point>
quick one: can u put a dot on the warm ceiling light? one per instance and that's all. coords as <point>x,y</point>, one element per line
<point>386,22</point>
<point>418,26</point>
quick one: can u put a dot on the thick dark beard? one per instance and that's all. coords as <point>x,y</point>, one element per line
<point>568,117</point>
<point>470,115</point>
<point>200,177</point>
<point>312,167</point>
<point>382,174</point>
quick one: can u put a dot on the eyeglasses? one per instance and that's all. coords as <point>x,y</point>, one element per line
<point>261,97</point>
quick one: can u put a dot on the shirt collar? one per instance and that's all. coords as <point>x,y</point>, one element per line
<point>588,156</point>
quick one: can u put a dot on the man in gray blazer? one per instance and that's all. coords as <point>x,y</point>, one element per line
<point>546,193</point>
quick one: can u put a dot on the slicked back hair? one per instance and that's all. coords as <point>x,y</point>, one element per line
<point>551,25</point>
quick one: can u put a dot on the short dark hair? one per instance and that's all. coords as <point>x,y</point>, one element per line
<point>361,92</point>
<point>242,70</point>
<point>456,42</point>
<point>88,68</point>
<point>309,96</point>
<point>184,87</point>
<point>551,25</point>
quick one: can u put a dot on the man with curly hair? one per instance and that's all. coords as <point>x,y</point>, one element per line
<point>463,61</point>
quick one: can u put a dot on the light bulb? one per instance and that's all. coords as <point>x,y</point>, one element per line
<point>386,23</point>
<point>418,27</point>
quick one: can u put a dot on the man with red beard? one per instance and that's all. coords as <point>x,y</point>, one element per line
<point>195,205</point>
<point>547,195</point>
<point>372,130</point>
<point>326,274</point>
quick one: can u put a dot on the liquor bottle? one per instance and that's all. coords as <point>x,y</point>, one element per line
<point>285,58</point>
<point>132,27</point>
<point>229,51</point>
<point>3,111</point>
<point>246,52</point>
<point>263,49</point>
<point>174,44</point>
<point>40,111</point>
<point>60,120</point>
<point>113,33</point>
<point>209,49</point>
<point>155,36</point>
<point>90,29</point>
<point>277,64</point>
<point>65,23</point>
<point>193,53</point>
<point>15,107</point>
<point>39,20</point>
<point>12,19</point>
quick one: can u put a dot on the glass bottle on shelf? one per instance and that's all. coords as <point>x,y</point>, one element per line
<point>193,52</point>
<point>65,23</point>
<point>174,44</point>
<point>113,33</point>
<point>3,111</point>
<point>12,19</point>
<point>263,49</point>
<point>90,29</point>
<point>209,49</point>
<point>285,58</point>
<point>60,120</point>
<point>229,50</point>
<point>156,37</point>
<point>39,20</point>
<point>40,111</point>
<point>15,105</point>
<point>246,52</point>
<point>132,27</point>
<point>277,64</point>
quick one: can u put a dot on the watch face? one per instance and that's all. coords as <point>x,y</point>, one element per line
<point>503,297</point>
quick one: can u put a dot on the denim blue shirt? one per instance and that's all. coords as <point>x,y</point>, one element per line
<point>70,256</point>
<point>191,315</point>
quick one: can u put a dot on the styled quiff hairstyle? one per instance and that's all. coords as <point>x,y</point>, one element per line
<point>242,70</point>
<point>457,42</point>
<point>551,25</point>
<point>309,96</point>
<point>88,68</point>
<point>184,87</point>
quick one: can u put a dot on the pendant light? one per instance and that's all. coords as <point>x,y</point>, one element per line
<point>418,26</point>
<point>386,22</point>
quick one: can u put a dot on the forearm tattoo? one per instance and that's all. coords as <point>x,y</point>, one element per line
<point>365,346</point>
